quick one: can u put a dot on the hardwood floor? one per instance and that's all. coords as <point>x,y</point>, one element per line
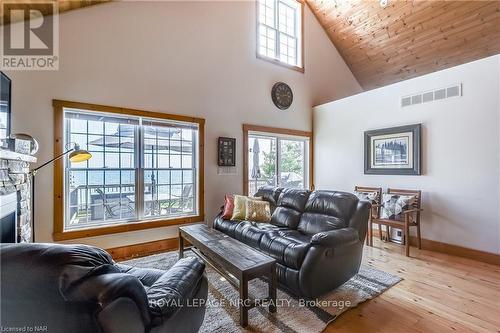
<point>439,293</point>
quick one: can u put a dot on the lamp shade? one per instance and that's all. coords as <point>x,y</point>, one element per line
<point>79,155</point>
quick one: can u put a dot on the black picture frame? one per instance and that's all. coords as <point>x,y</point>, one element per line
<point>409,141</point>
<point>226,155</point>
<point>5,98</point>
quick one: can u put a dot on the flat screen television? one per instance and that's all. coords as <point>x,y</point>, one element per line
<point>5,104</point>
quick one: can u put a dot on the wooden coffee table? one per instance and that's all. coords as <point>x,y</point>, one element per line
<point>238,263</point>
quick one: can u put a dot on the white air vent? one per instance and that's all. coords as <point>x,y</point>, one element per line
<point>433,95</point>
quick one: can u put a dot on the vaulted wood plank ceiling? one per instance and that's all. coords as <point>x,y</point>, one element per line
<point>63,6</point>
<point>402,40</point>
<point>405,39</point>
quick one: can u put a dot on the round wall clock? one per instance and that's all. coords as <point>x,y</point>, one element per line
<point>282,95</point>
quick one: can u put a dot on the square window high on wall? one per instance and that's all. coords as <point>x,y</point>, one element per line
<point>280,32</point>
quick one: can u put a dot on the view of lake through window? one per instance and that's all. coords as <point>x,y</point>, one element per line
<point>140,169</point>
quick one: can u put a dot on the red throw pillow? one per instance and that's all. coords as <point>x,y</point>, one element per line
<point>228,207</point>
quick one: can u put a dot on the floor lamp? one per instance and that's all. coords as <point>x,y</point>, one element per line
<point>76,155</point>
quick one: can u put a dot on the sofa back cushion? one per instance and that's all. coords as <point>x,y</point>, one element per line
<point>327,210</point>
<point>294,199</point>
<point>286,217</point>
<point>291,203</point>
<point>56,267</point>
<point>309,212</point>
<point>270,194</point>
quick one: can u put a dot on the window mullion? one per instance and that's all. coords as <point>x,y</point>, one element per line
<point>89,190</point>
<point>105,195</point>
<point>139,172</point>
<point>67,172</point>
<point>278,161</point>
<point>287,35</point>
<point>278,34</point>
<point>305,153</point>
<point>194,167</point>
<point>297,33</point>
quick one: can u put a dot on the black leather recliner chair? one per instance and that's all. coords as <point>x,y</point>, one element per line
<point>79,288</point>
<point>316,237</point>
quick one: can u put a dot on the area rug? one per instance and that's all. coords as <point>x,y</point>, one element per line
<point>293,314</point>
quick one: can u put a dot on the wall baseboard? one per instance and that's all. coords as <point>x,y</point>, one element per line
<point>169,244</point>
<point>143,249</point>
<point>454,250</point>
<point>459,251</point>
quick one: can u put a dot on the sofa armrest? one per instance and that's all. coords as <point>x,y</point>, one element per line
<point>173,289</point>
<point>336,238</point>
<point>104,289</point>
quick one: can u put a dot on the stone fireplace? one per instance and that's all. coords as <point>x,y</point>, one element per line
<point>15,186</point>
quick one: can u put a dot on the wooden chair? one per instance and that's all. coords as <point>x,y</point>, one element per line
<point>408,218</point>
<point>375,210</point>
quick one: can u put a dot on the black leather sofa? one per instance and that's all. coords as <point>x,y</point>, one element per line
<point>77,288</point>
<point>316,237</point>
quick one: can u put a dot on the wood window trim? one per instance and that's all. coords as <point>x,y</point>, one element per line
<point>59,234</point>
<point>275,130</point>
<point>300,69</point>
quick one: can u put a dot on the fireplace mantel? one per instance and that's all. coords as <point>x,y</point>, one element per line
<point>12,155</point>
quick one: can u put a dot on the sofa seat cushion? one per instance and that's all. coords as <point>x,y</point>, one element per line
<point>251,233</point>
<point>288,247</point>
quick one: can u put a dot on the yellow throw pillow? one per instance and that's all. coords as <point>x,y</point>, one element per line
<point>239,212</point>
<point>258,211</point>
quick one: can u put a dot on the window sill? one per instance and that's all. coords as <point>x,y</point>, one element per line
<point>126,227</point>
<point>279,63</point>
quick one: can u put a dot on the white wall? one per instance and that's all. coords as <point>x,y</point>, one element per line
<point>191,58</point>
<point>461,150</point>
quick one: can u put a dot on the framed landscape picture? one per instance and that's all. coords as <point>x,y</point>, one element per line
<point>393,151</point>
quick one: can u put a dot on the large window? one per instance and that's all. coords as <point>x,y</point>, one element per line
<point>279,32</point>
<point>276,157</point>
<point>145,170</point>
